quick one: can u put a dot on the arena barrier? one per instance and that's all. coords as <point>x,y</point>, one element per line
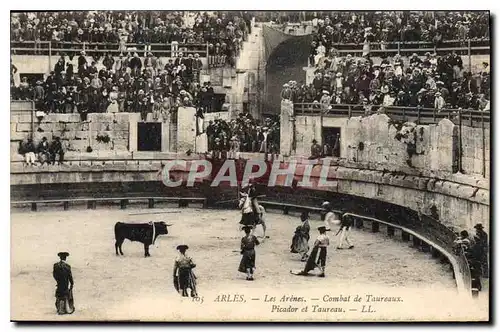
<point>428,234</point>
<point>458,262</point>
<point>124,201</point>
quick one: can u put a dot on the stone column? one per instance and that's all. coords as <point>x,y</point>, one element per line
<point>286,128</point>
<point>202,143</point>
<point>132,137</point>
<point>165,137</point>
<point>186,129</point>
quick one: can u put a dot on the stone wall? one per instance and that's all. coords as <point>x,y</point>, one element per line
<point>186,129</point>
<point>459,203</point>
<point>475,147</point>
<point>307,128</point>
<point>286,128</point>
<point>76,135</point>
<point>373,140</point>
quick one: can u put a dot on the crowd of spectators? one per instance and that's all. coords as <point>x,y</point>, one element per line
<point>431,82</point>
<point>476,251</point>
<point>128,84</point>
<point>405,26</point>
<point>43,152</point>
<point>224,32</point>
<point>243,134</point>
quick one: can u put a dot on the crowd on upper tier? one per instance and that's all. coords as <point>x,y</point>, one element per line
<point>431,81</point>
<point>221,30</point>
<point>389,26</point>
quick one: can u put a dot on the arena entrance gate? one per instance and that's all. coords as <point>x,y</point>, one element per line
<point>149,136</point>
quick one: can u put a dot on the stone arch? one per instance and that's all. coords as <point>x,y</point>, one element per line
<point>285,63</point>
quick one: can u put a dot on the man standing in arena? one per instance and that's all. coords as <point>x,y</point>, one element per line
<point>345,226</point>
<point>64,278</point>
<point>330,218</point>
<point>250,208</point>
<point>184,277</point>
<point>248,243</point>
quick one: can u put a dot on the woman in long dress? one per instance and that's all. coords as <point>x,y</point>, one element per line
<point>300,240</point>
<point>248,243</point>
<point>183,274</point>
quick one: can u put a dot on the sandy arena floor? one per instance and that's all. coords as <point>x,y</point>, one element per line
<point>132,287</point>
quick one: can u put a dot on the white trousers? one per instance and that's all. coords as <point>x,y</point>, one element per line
<point>30,157</point>
<point>344,238</point>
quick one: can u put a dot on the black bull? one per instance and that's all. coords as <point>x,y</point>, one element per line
<point>142,233</point>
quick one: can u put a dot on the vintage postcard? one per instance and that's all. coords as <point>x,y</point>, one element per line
<point>250,166</point>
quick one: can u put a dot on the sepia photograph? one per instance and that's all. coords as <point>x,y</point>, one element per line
<point>250,166</point>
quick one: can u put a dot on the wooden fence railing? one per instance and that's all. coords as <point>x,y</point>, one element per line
<point>53,48</point>
<point>419,115</point>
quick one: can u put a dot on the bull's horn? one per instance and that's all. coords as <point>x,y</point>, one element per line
<point>169,224</point>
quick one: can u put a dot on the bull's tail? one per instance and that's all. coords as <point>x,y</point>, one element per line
<point>117,226</point>
<point>118,239</point>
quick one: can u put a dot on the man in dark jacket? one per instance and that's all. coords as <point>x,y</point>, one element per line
<point>210,135</point>
<point>43,151</point>
<point>28,150</point>
<point>135,65</point>
<point>315,150</point>
<point>56,149</point>
<point>481,249</point>
<point>64,291</point>
<point>82,64</point>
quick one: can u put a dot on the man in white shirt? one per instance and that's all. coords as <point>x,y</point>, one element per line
<point>330,216</point>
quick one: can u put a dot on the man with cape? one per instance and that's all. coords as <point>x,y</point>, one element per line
<point>64,289</point>
<point>183,275</point>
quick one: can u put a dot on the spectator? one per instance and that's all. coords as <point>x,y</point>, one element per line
<point>28,150</point>
<point>464,242</point>
<point>481,249</point>
<point>56,151</point>
<point>315,150</point>
<point>43,151</point>
<point>234,151</point>
<point>439,102</point>
<point>286,93</point>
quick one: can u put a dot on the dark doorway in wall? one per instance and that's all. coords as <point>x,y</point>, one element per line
<point>148,136</point>
<point>218,101</point>
<point>331,141</point>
